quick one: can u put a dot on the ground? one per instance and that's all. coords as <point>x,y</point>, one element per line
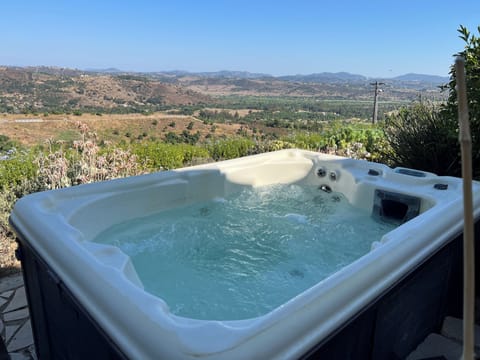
<point>32,130</point>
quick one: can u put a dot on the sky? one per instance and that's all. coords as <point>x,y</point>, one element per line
<point>374,38</point>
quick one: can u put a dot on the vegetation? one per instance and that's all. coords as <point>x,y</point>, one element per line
<point>426,137</point>
<point>156,156</point>
<point>471,54</point>
<point>422,138</point>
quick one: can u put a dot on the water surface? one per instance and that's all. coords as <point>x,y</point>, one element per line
<point>242,256</point>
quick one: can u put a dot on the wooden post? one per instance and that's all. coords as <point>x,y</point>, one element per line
<point>468,231</point>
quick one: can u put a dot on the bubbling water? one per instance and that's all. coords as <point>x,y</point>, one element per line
<point>242,256</point>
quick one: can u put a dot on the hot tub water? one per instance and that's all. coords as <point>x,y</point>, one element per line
<point>242,256</point>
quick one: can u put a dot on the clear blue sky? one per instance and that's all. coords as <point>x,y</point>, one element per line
<point>377,38</point>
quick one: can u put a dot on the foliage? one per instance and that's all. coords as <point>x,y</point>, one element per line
<point>155,156</point>
<point>306,140</point>
<point>16,170</point>
<point>306,108</point>
<point>360,142</point>
<point>231,148</point>
<point>209,116</point>
<point>273,145</point>
<point>184,137</point>
<point>6,144</point>
<point>422,138</point>
<point>471,54</point>
<point>83,162</point>
<point>352,141</point>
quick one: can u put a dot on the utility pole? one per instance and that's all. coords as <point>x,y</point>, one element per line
<point>375,105</point>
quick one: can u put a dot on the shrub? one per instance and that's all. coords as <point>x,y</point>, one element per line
<point>84,163</point>
<point>16,170</point>
<point>421,138</point>
<point>231,148</point>
<point>155,156</point>
<point>308,141</point>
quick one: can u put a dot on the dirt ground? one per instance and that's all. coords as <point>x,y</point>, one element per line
<point>33,130</point>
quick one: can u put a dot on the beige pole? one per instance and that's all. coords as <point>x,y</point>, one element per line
<point>468,232</point>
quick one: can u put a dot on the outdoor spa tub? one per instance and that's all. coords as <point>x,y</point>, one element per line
<point>100,260</point>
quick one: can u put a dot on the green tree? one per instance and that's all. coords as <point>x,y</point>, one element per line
<point>471,54</point>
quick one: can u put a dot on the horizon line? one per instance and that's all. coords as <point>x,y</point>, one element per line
<point>115,69</point>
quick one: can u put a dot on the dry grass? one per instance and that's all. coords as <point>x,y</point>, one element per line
<point>32,130</point>
<point>8,263</point>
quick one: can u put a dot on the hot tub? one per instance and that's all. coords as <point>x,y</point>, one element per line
<point>87,299</point>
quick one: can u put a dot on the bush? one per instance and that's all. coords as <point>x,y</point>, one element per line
<point>155,156</point>
<point>16,170</point>
<point>6,144</point>
<point>84,163</point>
<point>231,148</point>
<point>421,138</point>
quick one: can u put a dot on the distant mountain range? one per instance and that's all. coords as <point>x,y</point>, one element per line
<point>323,77</point>
<point>319,78</point>
<point>435,79</point>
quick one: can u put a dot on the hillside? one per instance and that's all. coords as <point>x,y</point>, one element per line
<point>60,90</point>
<point>325,86</point>
<point>51,89</point>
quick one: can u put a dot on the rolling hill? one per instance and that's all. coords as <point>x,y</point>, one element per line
<point>51,89</point>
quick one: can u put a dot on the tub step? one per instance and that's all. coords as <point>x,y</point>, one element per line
<point>436,345</point>
<point>453,329</point>
<point>446,345</point>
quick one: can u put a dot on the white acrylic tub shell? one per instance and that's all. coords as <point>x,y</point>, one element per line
<point>62,223</point>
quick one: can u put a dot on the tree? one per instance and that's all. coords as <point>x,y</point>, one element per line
<point>471,54</point>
